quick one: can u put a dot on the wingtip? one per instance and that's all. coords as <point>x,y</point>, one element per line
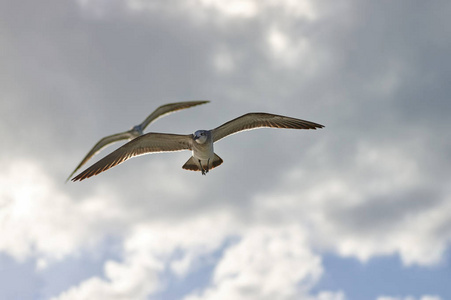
<point>317,126</point>
<point>69,177</point>
<point>199,102</point>
<point>78,178</point>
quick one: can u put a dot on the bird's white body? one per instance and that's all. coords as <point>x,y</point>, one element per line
<point>204,157</point>
<point>203,146</point>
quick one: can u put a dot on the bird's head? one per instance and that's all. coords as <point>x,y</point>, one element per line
<point>137,130</point>
<point>201,136</point>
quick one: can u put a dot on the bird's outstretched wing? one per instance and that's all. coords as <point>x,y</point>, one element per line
<point>257,120</point>
<point>169,108</point>
<point>145,144</point>
<point>106,141</point>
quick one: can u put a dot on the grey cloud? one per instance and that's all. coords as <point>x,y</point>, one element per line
<point>383,213</point>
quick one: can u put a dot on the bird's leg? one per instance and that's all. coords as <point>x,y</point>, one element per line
<point>208,166</point>
<point>202,168</point>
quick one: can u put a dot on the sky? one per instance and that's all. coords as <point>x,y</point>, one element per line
<point>360,209</point>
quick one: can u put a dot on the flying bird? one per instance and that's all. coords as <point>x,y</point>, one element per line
<point>136,130</point>
<point>200,143</point>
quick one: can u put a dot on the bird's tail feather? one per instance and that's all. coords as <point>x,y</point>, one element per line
<point>216,161</point>
<point>192,165</point>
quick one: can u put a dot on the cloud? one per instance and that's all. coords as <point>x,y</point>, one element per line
<point>373,183</point>
<point>40,221</point>
<point>149,250</point>
<point>426,297</point>
<point>211,9</point>
<point>375,208</point>
<point>267,263</point>
<point>263,263</point>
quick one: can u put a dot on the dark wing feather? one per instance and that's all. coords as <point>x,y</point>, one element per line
<point>257,120</point>
<point>169,108</point>
<point>145,144</point>
<point>106,141</point>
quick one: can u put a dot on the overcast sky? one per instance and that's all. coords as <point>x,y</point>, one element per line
<point>358,210</point>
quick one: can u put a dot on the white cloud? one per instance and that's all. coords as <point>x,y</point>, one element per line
<point>328,296</point>
<point>366,211</point>
<point>267,263</point>
<point>135,278</point>
<point>150,249</point>
<point>234,9</point>
<point>39,220</point>
<point>289,51</point>
<point>224,61</point>
<point>426,297</point>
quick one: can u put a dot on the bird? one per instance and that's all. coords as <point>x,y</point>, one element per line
<point>136,130</point>
<point>201,142</point>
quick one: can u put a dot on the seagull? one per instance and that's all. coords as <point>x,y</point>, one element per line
<point>200,143</point>
<point>136,130</point>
